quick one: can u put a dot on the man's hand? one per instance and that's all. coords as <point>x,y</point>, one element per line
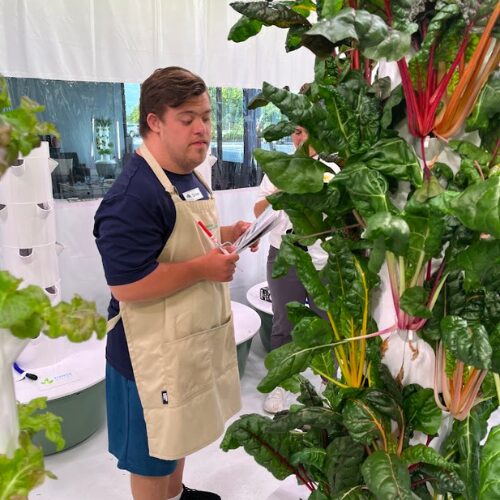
<point>232,233</point>
<point>218,266</point>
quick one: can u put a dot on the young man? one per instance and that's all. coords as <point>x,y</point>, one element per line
<point>172,374</point>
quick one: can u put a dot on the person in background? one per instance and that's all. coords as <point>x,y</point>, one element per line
<point>172,375</point>
<point>287,288</point>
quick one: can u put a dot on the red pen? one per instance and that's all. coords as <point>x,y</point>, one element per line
<point>214,240</point>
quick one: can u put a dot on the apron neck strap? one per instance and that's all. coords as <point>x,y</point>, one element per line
<point>156,168</point>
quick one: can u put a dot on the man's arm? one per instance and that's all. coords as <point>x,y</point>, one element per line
<point>168,278</point>
<point>260,206</point>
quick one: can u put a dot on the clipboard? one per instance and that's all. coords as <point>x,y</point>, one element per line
<point>264,223</point>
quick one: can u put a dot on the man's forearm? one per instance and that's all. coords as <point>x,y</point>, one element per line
<point>165,280</point>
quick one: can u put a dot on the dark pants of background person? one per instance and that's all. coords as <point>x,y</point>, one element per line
<point>284,290</point>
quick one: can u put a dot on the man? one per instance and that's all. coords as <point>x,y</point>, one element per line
<point>172,375</point>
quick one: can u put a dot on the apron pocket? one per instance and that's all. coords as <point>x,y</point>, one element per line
<point>223,349</point>
<point>193,363</point>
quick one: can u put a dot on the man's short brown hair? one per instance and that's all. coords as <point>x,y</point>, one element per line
<point>167,87</point>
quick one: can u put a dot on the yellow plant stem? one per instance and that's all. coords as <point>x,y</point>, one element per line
<point>339,352</point>
<point>364,325</point>
<point>331,379</point>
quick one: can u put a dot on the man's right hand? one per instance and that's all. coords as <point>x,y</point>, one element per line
<point>218,266</point>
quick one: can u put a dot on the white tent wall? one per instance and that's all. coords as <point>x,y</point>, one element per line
<point>125,40</point>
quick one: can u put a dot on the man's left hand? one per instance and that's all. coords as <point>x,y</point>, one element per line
<point>238,229</point>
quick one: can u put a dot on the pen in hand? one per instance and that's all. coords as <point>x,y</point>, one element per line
<point>214,240</point>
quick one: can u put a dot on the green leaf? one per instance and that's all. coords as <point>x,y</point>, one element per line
<point>414,301</point>
<point>343,463</point>
<point>272,451</point>
<point>331,8</point>
<point>392,230</point>
<point>310,417</point>
<point>294,174</point>
<point>312,331</point>
<point>478,206</point>
<point>467,342</point>
<point>480,264</point>
<point>425,454</point>
<point>376,39</point>
<point>308,275</point>
<point>78,320</point>
<point>489,487</point>
<point>387,476</point>
<point>277,131</point>
<point>367,188</point>
<point>354,493</point>
<point>244,29</point>
<point>420,409</point>
<point>395,158</point>
<point>283,363</point>
<point>271,14</point>
<point>430,189</point>
<point>363,422</point>
<point>32,420</point>
<point>308,395</point>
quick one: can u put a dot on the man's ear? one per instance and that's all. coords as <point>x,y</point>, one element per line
<point>153,122</point>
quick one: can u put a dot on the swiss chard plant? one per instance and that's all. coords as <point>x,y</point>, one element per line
<point>26,313</point>
<point>414,210</point>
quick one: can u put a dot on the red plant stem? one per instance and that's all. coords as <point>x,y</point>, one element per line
<point>429,270</point>
<point>388,11</point>
<point>282,459</point>
<point>368,70</point>
<point>494,155</point>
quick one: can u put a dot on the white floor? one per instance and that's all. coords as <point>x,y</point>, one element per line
<point>89,472</point>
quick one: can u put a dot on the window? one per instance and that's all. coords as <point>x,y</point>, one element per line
<point>99,127</point>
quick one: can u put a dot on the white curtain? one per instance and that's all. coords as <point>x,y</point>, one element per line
<point>125,40</point>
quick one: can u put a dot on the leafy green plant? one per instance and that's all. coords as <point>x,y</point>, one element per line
<point>26,313</point>
<point>398,204</point>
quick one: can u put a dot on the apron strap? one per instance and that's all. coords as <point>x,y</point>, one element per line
<point>111,323</point>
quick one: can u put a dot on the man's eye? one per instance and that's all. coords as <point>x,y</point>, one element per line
<point>186,122</point>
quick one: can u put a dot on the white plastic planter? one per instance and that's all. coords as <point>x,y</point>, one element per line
<point>30,181</point>
<point>43,351</point>
<point>27,225</point>
<point>36,265</point>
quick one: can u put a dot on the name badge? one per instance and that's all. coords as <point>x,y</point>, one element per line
<point>193,194</point>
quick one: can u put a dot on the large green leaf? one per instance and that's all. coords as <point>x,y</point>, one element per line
<point>427,455</point>
<point>283,363</point>
<point>489,488</point>
<point>312,417</point>
<point>375,39</point>
<point>244,29</point>
<point>294,174</point>
<point>306,271</point>
<point>363,422</point>
<point>272,451</point>
<point>311,332</point>
<point>367,188</point>
<point>343,463</point>
<point>271,14</point>
<point>387,476</point>
<point>277,131</point>
<point>478,206</point>
<point>395,158</point>
<point>420,409</point>
<point>354,493</point>
<point>480,264</point>
<point>414,302</point>
<point>392,230</point>
<point>467,342</point>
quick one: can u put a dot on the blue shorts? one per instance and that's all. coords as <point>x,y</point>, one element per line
<point>127,436</point>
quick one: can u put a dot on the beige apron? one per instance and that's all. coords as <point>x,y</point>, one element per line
<point>182,346</point>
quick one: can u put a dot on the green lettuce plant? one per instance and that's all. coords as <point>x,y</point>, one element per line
<point>25,313</point>
<point>415,207</point>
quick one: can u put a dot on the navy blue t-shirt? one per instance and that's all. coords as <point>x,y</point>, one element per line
<point>131,226</point>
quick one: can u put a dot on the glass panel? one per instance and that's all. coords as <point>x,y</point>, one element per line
<point>99,127</point>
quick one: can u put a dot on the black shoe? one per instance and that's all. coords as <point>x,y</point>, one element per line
<point>189,494</point>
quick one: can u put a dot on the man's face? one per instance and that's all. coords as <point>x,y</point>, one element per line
<point>184,134</point>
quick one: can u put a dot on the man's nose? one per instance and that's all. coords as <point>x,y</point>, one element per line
<point>200,126</point>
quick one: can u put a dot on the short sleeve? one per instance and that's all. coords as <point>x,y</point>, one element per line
<point>266,188</point>
<point>130,236</point>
